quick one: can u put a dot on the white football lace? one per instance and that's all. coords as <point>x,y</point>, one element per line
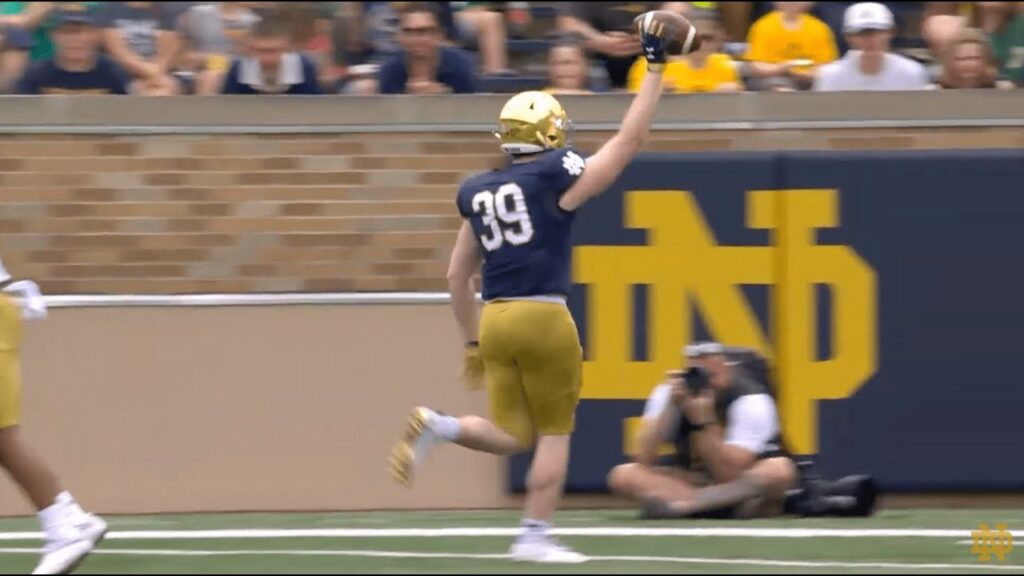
<point>689,39</point>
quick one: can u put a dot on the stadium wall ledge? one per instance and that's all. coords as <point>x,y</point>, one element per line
<point>283,114</point>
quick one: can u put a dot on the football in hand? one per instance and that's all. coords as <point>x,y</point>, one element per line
<point>682,35</point>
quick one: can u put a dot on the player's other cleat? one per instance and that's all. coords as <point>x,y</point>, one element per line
<point>64,555</point>
<point>412,449</point>
<point>544,550</point>
<point>93,528</point>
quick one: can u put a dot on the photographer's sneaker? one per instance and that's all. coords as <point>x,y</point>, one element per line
<point>657,509</point>
<point>544,550</point>
<point>62,555</point>
<point>412,449</point>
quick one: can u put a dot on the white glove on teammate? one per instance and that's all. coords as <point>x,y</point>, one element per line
<point>33,305</point>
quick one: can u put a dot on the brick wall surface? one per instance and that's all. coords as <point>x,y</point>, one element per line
<point>280,213</point>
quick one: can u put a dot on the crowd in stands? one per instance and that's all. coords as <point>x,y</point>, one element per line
<point>172,48</point>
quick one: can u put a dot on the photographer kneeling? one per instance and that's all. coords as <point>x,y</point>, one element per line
<point>723,421</point>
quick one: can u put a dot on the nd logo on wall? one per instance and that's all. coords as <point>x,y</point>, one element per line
<point>683,263</point>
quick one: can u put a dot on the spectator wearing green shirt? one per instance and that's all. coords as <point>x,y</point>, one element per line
<point>15,44</point>
<point>35,18</point>
<point>1007,40</point>
<point>970,63</point>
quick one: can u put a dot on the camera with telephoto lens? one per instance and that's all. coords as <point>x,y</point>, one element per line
<point>696,380</point>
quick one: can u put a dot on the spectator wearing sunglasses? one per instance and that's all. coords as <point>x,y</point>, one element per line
<point>425,65</point>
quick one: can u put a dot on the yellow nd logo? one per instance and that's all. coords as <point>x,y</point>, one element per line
<point>684,261</point>
<point>988,543</point>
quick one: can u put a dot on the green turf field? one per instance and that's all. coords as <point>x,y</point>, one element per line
<point>917,541</point>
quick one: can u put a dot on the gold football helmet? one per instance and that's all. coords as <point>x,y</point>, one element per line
<point>532,122</point>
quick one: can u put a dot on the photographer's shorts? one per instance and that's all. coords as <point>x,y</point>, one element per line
<point>533,364</point>
<point>10,367</point>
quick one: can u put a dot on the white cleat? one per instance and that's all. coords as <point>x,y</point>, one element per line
<point>545,551</point>
<point>93,529</point>
<point>64,556</point>
<point>412,449</point>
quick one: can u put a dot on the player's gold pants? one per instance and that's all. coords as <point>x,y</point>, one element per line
<point>10,366</point>
<point>533,364</point>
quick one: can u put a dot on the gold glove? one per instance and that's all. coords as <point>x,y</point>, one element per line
<point>473,367</point>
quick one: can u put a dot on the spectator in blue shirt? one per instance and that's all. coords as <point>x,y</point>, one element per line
<point>425,66</point>
<point>77,66</point>
<point>271,67</point>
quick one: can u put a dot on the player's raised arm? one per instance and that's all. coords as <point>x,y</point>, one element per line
<point>661,33</point>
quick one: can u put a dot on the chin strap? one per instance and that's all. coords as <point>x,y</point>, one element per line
<point>521,149</point>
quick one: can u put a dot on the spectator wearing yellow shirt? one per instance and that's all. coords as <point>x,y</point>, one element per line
<point>788,45</point>
<point>706,70</point>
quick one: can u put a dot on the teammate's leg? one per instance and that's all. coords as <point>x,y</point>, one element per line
<point>70,533</point>
<point>27,470</point>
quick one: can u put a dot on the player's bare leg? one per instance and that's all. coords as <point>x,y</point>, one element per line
<point>546,480</point>
<point>71,534</point>
<point>27,470</point>
<point>544,486</point>
<point>482,435</point>
<point>425,428</point>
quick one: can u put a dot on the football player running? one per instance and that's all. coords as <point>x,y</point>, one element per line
<point>517,224</point>
<point>70,533</point>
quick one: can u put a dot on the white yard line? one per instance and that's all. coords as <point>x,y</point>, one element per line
<point>246,534</point>
<point>624,559</point>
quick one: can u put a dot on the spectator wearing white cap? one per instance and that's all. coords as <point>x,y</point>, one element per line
<point>870,65</point>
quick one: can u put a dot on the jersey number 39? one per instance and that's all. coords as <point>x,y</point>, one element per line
<point>504,214</point>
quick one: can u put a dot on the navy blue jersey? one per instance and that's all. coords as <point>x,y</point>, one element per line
<point>46,77</point>
<point>523,234</point>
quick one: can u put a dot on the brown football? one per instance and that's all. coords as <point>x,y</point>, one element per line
<point>682,34</point>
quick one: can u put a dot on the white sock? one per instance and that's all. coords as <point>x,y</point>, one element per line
<point>71,507</point>
<point>533,529</point>
<point>55,524</point>
<point>446,427</point>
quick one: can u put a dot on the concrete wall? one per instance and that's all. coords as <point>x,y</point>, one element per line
<point>266,408</point>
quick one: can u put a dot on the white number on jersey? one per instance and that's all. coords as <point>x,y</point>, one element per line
<point>505,216</point>
<point>573,163</point>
